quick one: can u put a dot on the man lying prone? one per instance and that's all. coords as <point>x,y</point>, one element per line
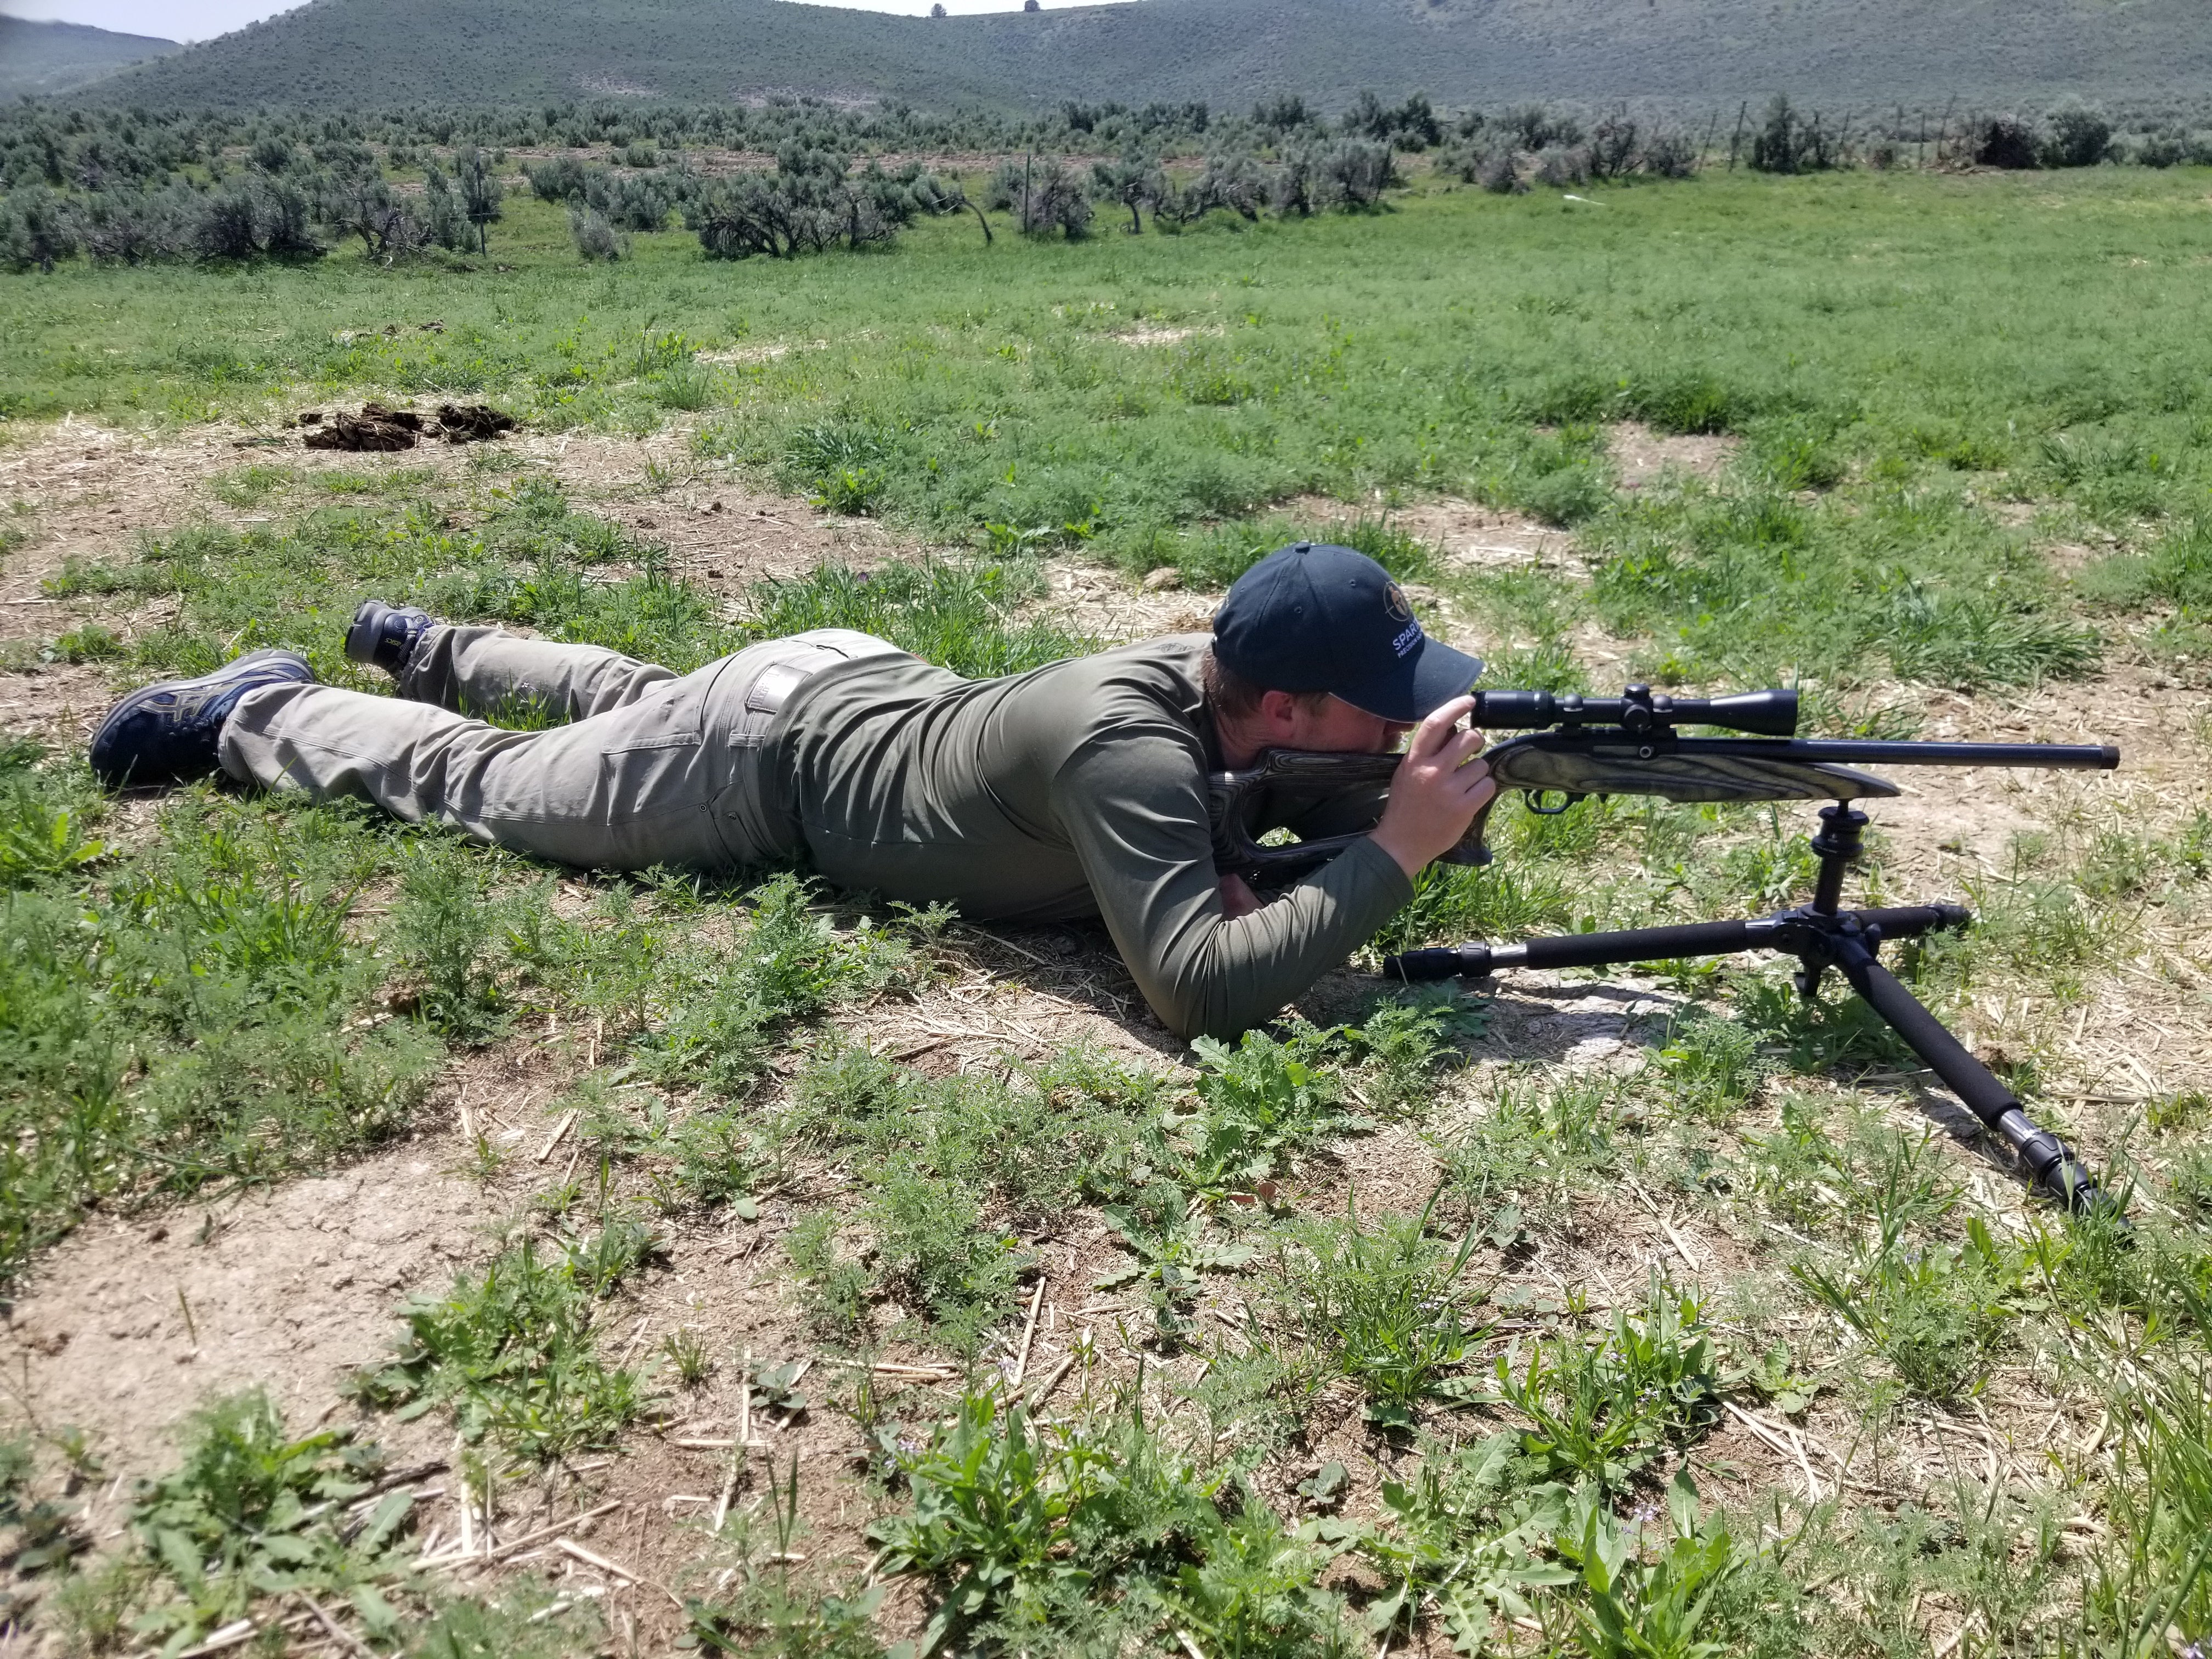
<point>1073,790</point>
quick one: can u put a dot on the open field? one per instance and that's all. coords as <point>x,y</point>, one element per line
<point>740,1266</point>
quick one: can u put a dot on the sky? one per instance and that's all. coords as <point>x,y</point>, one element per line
<point>203,19</point>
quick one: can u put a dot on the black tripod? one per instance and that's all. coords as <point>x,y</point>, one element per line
<point>1820,936</point>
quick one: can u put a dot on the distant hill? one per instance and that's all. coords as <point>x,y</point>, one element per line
<point>1693,53</point>
<point>48,58</point>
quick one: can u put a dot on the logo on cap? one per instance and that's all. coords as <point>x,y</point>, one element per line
<point>1396,602</point>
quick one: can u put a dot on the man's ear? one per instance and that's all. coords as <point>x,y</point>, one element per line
<point>1278,709</point>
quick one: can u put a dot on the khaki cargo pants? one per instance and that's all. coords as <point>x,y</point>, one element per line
<point>654,769</point>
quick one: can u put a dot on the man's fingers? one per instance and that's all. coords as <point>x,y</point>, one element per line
<point>1431,734</point>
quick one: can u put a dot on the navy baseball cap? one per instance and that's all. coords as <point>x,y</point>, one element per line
<point>1314,617</point>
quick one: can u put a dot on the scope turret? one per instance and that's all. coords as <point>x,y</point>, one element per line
<point>1762,714</point>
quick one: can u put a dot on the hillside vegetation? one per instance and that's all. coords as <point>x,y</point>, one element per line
<point>41,58</point>
<point>362,53</point>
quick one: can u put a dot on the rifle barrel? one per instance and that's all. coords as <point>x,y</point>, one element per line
<point>1857,751</point>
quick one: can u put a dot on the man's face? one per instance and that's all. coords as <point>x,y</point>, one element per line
<point>1330,726</point>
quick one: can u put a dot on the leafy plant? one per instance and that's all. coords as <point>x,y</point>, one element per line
<point>1173,1248</point>
<point>1938,1314</point>
<point>1382,1305</point>
<point>1600,1413</point>
<point>1257,1103</point>
<point>37,840</point>
<point>1105,1530</point>
<point>251,1512</point>
<point>512,1352</point>
<point>835,1293</point>
<point>1654,1608</point>
<point>1463,1529</point>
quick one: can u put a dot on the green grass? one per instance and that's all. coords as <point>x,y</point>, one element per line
<point>1461,344</point>
<point>1313,1433</point>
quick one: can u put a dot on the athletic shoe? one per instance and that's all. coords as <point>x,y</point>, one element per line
<point>168,733</point>
<point>386,635</point>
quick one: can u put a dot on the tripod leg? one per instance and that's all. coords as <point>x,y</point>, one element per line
<point>1704,938</point>
<point>2049,1161</point>
<point>1701,939</point>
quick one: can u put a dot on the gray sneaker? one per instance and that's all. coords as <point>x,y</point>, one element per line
<point>386,635</point>
<point>167,732</point>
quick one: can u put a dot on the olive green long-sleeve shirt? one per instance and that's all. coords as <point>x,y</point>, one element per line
<point>1075,790</point>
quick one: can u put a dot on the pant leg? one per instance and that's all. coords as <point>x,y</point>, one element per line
<point>488,671</point>
<point>677,772</point>
<point>634,786</point>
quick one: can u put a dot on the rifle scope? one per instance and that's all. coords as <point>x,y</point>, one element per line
<point>1767,714</point>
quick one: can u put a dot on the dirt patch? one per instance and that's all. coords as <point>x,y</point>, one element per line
<point>1642,456</point>
<point>1151,334</point>
<point>290,1290</point>
<point>766,353</point>
<point>1468,535</point>
<point>1104,604</point>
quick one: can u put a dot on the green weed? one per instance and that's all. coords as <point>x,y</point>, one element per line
<point>1465,1529</point>
<point>39,838</point>
<point>184,1021</point>
<point>1937,1315</point>
<point>1709,1067</point>
<point>1600,1413</point>
<point>1538,1141</point>
<point>1655,1609</point>
<point>937,1252</point>
<point>1172,1245</point>
<point>252,1512</point>
<point>524,1623</point>
<point>1382,1304</point>
<point>1404,1040</point>
<point>835,1291</point>
<point>1098,1535</point>
<point>1258,1103</point>
<point>512,1352</point>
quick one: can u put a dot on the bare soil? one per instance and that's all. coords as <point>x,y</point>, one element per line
<point>1642,456</point>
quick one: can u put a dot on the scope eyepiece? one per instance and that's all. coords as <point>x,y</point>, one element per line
<point>1762,714</point>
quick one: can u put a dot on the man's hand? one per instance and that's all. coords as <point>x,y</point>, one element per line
<point>1237,898</point>
<point>1436,792</point>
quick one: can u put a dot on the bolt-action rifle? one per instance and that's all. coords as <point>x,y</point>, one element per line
<point>1572,747</point>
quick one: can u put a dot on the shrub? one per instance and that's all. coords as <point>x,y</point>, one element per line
<point>2007,141</point>
<point>134,227</point>
<point>37,228</point>
<point>809,205</point>
<point>1497,170</point>
<point>444,219</point>
<point>561,179</point>
<point>2076,136</point>
<point>480,191</point>
<point>1563,164</point>
<point>1352,175</point>
<point>1787,142</point>
<point>595,237</point>
<point>1043,195</point>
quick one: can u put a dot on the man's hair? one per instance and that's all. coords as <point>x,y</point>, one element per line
<point>1231,696</point>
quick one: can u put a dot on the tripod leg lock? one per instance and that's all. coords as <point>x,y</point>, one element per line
<point>2051,1165</point>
